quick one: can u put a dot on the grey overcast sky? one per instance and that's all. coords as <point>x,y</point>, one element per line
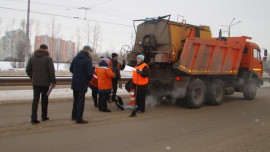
<point>115,17</point>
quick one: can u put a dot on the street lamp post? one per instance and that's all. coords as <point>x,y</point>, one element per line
<point>230,25</point>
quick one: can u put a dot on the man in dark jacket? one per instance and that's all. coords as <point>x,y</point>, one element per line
<point>82,70</point>
<point>116,67</point>
<point>41,71</point>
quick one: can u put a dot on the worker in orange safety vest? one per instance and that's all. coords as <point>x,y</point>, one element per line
<point>140,82</point>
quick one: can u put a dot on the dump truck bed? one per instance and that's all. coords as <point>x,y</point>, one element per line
<point>212,56</point>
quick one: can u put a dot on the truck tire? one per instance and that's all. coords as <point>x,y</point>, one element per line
<point>196,94</point>
<point>216,92</point>
<point>250,89</point>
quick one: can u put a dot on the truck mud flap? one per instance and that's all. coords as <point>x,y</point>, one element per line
<point>180,87</point>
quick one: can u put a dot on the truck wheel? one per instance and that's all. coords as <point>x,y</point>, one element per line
<point>250,89</point>
<point>216,92</point>
<point>196,94</point>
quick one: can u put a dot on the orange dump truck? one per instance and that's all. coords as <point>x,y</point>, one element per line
<point>185,62</point>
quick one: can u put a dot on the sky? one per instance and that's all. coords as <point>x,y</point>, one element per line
<point>115,17</point>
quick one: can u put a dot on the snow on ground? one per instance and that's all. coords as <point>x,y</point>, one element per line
<point>5,66</point>
<point>266,84</point>
<point>61,66</point>
<point>59,94</point>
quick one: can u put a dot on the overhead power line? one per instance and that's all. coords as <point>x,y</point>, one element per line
<point>64,16</point>
<point>40,3</point>
<point>69,7</point>
<point>101,3</point>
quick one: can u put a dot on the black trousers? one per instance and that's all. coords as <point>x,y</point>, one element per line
<point>114,85</point>
<point>140,97</point>
<point>44,101</point>
<point>95,94</point>
<point>78,105</point>
<point>103,97</point>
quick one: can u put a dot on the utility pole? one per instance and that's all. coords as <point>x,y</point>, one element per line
<point>84,8</point>
<point>27,39</point>
<point>230,25</point>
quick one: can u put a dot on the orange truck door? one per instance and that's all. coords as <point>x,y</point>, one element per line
<point>257,65</point>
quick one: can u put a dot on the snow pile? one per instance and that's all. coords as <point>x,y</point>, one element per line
<point>4,66</point>
<point>7,66</point>
<point>128,68</point>
<point>61,66</point>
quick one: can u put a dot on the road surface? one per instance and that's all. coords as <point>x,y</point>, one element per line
<point>235,126</point>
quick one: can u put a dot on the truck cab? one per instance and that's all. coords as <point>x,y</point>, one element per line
<point>252,60</point>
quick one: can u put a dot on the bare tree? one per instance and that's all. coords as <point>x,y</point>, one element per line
<point>0,25</point>
<point>19,43</point>
<point>59,55</point>
<point>37,31</point>
<point>12,39</point>
<point>96,37</point>
<point>72,53</point>
<point>31,23</point>
<point>79,40</point>
<point>37,27</point>
<point>5,49</point>
<point>1,42</point>
<point>88,33</point>
<point>12,43</point>
<point>59,52</point>
<point>21,47</point>
<point>105,54</point>
<point>53,30</point>
<point>23,25</point>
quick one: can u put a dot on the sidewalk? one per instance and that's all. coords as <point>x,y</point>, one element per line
<point>62,94</point>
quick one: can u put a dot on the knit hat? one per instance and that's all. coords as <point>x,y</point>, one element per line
<point>114,55</point>
<point>106,60</point>
<point>87,48</point>
<point>141,57</point>
<point>43,46</point>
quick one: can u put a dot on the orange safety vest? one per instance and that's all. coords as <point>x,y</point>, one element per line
<point>94,79</point>
<point>141,80</point>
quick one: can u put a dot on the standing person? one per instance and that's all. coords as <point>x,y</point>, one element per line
<point>82,70</point>
<point>140,81</point>
<point>40,70</point>
<point>105,75</point>
<point>116,67</point>
<point>94,86</point>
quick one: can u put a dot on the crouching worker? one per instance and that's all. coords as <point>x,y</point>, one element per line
<point>105,75</point>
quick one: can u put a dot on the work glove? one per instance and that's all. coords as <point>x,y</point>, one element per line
<point>139,71</point>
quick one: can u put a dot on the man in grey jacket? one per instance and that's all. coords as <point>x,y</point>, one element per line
<point>40,70</point>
